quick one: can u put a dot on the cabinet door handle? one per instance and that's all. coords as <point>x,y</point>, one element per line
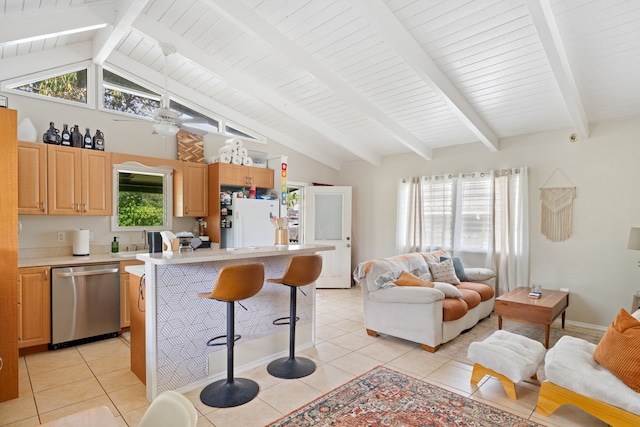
<point>84,206</point>
<point>186,209</point>
<point>77,207</point>
<point>43,206</point>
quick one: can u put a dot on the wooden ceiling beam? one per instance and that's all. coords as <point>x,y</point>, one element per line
<point>547,28</point>
<point>397,36</point>
<point>251,23</point>
<point>107,38</point>
<point>241,82</point>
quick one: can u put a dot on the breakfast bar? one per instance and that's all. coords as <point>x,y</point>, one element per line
<point>178,323</point>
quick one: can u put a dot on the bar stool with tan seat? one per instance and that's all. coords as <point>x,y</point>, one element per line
<point>234,283</point>
<point>302,270</point>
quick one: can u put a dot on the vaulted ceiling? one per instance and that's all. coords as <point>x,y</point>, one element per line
<point>339,80</point>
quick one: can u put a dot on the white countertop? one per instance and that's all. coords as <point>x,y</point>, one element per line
<point>185,257</point>
<point>207,255</point>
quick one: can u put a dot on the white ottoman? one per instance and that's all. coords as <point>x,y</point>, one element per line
<point>509,357</point>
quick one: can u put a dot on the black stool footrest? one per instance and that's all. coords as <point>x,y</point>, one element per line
<point>223,394</point>
<point>211,342</point>
<point>283,321</point>
<point>288,368</point>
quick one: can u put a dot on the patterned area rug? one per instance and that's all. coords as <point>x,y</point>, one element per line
<point>383,397</point>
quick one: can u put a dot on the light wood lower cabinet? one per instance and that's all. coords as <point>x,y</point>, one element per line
<point>125,284</point>
<point>34,306</point>
<point>137,330</point>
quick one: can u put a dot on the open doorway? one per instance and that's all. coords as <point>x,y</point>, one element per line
<point>295,195</point>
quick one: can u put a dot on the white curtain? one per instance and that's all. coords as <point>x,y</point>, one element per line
<point>511,229</point>
<point>454,212</point>
<point>410,233</point>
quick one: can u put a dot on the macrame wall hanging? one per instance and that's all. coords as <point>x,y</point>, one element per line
<point>557,210</point>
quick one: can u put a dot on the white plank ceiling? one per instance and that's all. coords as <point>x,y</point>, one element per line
<point>340,80</point>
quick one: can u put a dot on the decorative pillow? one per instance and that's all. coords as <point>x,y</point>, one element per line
<point>448,289</point>
<point>408,279</point>
<point>619,349</point>
<point>444,272</point>
<point>458,267</point>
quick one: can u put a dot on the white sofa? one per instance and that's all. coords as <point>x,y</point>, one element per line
<point>416,313</point>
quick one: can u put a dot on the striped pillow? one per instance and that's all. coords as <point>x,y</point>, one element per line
<point>619,349</point>
<point>444,272</point>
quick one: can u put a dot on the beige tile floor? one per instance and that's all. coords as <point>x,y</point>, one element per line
<point>56,383</point>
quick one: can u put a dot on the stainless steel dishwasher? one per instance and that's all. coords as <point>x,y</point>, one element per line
<point>85,304</point>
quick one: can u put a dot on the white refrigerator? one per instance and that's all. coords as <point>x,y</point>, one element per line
<point>251,224</point>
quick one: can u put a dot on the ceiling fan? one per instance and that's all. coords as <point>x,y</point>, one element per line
<point>167,121</point>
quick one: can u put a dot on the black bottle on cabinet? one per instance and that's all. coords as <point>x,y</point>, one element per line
<point>51,136</point>
<point>88,141</point>
<point>66,136</point>
<point>76,137</point>
<point>98,141</point>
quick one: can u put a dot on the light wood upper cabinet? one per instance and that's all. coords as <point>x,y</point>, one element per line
<point>96,183</point>
<point>32,178</point>
<point>34,306</point>
<point>244,176</point>
<point>191,190</point>
<point>78,181</point>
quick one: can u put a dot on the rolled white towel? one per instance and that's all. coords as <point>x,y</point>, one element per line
<point>242,151</point>
<point>226,149</point>
<point>236,160</point>
<point>247,161</point>
<point>225,158</point>
<point>237,142</point>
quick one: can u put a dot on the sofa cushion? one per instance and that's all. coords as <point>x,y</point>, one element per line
<point>486,292</point>
<point>453,309</point>
<point>472,298</point>
<point>435,255</point>
<point>444,272</point>
<point>408,279</point>
<point>407,295</point>
<point>619,349</point>
<point>570,364</point>
<point>478,274</point>
<point>458,267</point>
<point>447,289</point>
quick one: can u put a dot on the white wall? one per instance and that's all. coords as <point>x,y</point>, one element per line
<point>595,264</point>
<point>132,137</point>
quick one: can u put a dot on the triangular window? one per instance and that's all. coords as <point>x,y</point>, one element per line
<point>68,85</point>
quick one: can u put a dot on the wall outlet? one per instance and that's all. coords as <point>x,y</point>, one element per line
<point>60,236</point>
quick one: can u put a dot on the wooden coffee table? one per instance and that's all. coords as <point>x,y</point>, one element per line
<point>516,305</point>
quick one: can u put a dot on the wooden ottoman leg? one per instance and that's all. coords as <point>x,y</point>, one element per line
<point>480,371</point>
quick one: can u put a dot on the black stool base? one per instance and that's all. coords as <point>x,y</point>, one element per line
<point>223,394</point>
<point>291,368</point>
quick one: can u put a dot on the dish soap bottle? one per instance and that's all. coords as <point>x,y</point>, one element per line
<point>115,246</point>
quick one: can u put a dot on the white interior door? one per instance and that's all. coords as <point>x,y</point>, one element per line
<point>327,221</point>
